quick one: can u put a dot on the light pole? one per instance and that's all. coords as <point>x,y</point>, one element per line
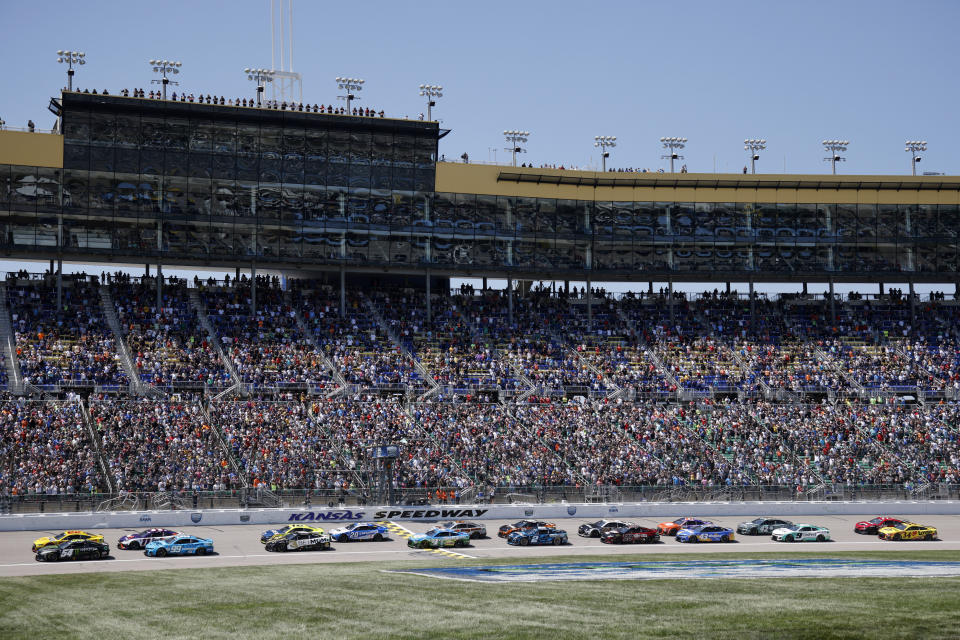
<point>603,142</point>
<point>261,77</point>
<point>431,91</point>
<point>673,144</point>
<point>754,146</point>
<point>349,85</point>
<point>163,67</point>
<point>71,58</point>
<point>514,138</point>
<point>835,148</point>
<point>914,147</point>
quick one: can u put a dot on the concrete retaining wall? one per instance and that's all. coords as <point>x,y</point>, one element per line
<point>336,517</point>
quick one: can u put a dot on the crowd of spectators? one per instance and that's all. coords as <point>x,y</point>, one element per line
<point>66,345</point>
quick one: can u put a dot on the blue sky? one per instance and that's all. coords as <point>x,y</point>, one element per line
<point>876,73</point>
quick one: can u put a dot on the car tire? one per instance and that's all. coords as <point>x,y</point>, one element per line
<point>133,545</point>
<point>693,539</point>
<point>104,555</point>
<point>201,551</point>
<point>896,536</point>
<point>524,542</point>
<point>557,542</point>
<point>594,534</point>
<point>377,537</point>
<point>821,538</point>
<point>424,545</point>
<point>161,552</point>
<point>725,539</point>
<point>928,537</point>
<point>343,538</point>
<point>790,539</point>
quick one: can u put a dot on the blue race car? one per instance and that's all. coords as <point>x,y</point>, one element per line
<point>182,545</point>
<point>705,533</point>
<point>359,531</point>
<point>538,536</point>
<point>437,538</point>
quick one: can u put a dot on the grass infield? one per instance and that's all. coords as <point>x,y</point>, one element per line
<point>357,600</point>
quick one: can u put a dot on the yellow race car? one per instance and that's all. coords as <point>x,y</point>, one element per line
<point>270,534</point>
<point>907,531</point>
<point>65,536</point>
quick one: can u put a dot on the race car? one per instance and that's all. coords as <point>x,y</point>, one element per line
<point>182,545</point>
<point>439,537</point>
<point>359,531</point>
<point>670,528</point>
<point>299,541</point>
<point>762,526</point>
<point>801,533</point>
<point>74,550</point>
<point>596,529</point>
<point>290,528</point>
<point>873,526</point>
<point>65,536</point>
<point>538,536</point>
<point>705,533</point>
<point>507,529</point>
<point>907,531</point>
<point>141,538</point>
<point>632,534</point>
<point>472,529</point>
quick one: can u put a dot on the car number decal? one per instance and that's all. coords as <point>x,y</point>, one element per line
<point>175,548</point>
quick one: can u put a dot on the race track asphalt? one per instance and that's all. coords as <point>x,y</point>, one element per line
<point>239,545</point>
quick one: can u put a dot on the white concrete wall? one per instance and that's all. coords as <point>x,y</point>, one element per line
<point>336,517</point>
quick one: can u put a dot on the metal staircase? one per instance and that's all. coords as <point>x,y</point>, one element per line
<point>201,310</point>
<point>309,337</point>
<point>338,450</point>
<point>222,440</point>
<point>129,366</point>
<point>8,345</point>
<point>97,446</point>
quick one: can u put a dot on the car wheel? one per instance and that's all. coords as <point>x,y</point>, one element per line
<point>326,546</point>
<point>343,538</point>
<point>594,534</point>
<point>38,558</point>
<point>790,539</point>
<point>104,554</point>
<point>524,542</point>
<point>161,552</point>
<point>424,545</point>
<point>377,538</point>
<point>133,545</point>
<point>929,536</point>
<point>201,551</point>
<point>821,538</point>
<point>896,536</point>
<point>693,539</point>
<point>475,535</point>
<point>725,539</point>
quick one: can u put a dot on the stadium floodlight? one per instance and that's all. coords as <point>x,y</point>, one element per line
<point>674,144</point>
<point>431,91</point>
<point>604,142</point>
<point>261,77</point>
<point>71,58</point>
<point>913,148</point>
<point>514,138</point>
<point>835,148</point>
<point>350,85</point>
<point>164,67</point>
<point>754,146</point>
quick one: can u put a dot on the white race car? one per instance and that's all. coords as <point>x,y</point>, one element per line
<point>801,533</point>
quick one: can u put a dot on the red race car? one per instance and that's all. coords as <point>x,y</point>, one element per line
<point>670,528</point>
<point>871,527</point>
<point>633,534</point>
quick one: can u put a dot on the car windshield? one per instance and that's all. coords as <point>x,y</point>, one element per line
<point>876,521</point>
<point>900,525</point>
<point>759,521</point>
<point>793,527</point>
<point>60,535</point>
<point>433,532</point>
<point>679,521</point>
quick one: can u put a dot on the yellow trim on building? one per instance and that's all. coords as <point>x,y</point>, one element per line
<point>694,187</point>
<point>31,149</point>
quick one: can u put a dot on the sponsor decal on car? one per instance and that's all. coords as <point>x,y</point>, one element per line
<point>414,514</point>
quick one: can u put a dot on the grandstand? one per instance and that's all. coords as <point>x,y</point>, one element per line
<point>340,329</point>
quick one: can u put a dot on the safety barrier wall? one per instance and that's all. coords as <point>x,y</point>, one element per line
<point>338,517</point>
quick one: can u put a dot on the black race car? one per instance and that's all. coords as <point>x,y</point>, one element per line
<point>596,529</point>
<point>507,529</point>
<point>299,541</point>
<point>762,526</point>
<point>74,550</point>
<point>634,534</point>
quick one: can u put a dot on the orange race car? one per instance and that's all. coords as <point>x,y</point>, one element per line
<point>670,528</point>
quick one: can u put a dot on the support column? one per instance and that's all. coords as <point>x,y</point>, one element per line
<point>670,300</point>
<point>728,288</point>
<point>510,299</point>
<point>146,270</point>
<point>804,288</point>
<point>343,293</point>
<point>881,289</point>
<point>566,287</point>
<point>253,289</point>
<point>429,307</point>
<point>51,266</point>
<point>589,306</point>
<point>956,290</point>
<point>484,284</point>
<point>753,306</point>
<point>236,278</point>
<point>159,286</point>
<point>59,284</point>
<point>913,306</point>
<point>650,287</point>
<point>833,305</point>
